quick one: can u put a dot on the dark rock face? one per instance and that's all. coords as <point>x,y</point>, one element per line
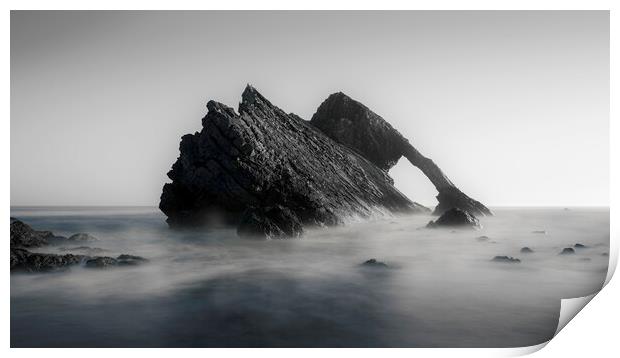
<point>122,260</point>
<point>23,235</point>
<point>351,123</point>
<point>506,259</point>
<point>567,251</point>
<point>269,171</point>
<point>24,260</point>
<point>526,250</point>
<point>455,218</point>
<point>271,222</point>
<point>580,246</point>
<point>374,263</point>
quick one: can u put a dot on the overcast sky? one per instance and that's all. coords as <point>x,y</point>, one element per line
<point>513,106</point>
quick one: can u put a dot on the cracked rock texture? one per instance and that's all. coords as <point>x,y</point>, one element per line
<point>271,172</point>
<point>351,123</point>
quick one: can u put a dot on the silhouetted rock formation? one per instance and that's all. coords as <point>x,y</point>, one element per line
<point>526,250</point>
<point>455,217</point>
<point>351,123</point>
<point>269,171</point>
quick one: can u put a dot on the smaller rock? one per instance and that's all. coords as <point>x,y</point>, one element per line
<point>86,250</point>
<point>374,263</point>
<point>506,259</point>
<point>605,254</point>
<point>542,232</point>
<point>526,250</point>
<point>455,217</point>
<point>101,262</point>
<point>82,237</point>
<point>567,251</point>
<point>130,260</point>
<point>580,246</point>
<point>482,238</point>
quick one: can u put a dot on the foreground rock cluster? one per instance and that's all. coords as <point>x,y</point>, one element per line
<point>271,173</point>
<point>24,238</point>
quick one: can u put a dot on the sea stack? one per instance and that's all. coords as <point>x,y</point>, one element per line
<point>259,165</point>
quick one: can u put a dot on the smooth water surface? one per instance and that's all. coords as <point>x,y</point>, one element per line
<point>212,289</point>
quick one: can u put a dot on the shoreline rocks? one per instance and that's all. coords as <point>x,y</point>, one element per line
<point>23,260</point>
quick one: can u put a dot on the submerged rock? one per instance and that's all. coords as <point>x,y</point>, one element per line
<point>580,246</point>
<point>526,250</point>
<point>374,263</point>
<point>271,222</point>
<point>482,238</point>
<point>542,232</point>
<point>121,260</point>
<point>101,262</point>
<point>243,163</point>
<point>82,237</point>
<point>455,217</point>
<point>567,251</point>
<point>506,259</point>
<point>24,260</point>
<point>130,260</point>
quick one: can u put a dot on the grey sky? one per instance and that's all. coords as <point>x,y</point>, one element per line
<point>513,106</point>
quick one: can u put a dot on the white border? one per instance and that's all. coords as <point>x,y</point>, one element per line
<point>592,333</point>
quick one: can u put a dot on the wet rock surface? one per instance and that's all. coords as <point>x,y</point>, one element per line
<point>244,162</point>
<point>455,218</point>
<point>23,260</point>
<point>23,235</point>
<point>526,250</point>
<point>374,263</point>
<point>506,259</point>
<point>567,251</point>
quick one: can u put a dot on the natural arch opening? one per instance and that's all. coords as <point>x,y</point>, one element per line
<point>413,183</point>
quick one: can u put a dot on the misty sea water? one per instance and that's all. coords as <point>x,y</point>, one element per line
<point>209,288</point>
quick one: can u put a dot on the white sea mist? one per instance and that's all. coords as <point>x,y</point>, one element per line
<point>209,288</point>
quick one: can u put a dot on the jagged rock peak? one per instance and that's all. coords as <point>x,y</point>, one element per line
<point>240,164</point>
<point>251,97</point>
